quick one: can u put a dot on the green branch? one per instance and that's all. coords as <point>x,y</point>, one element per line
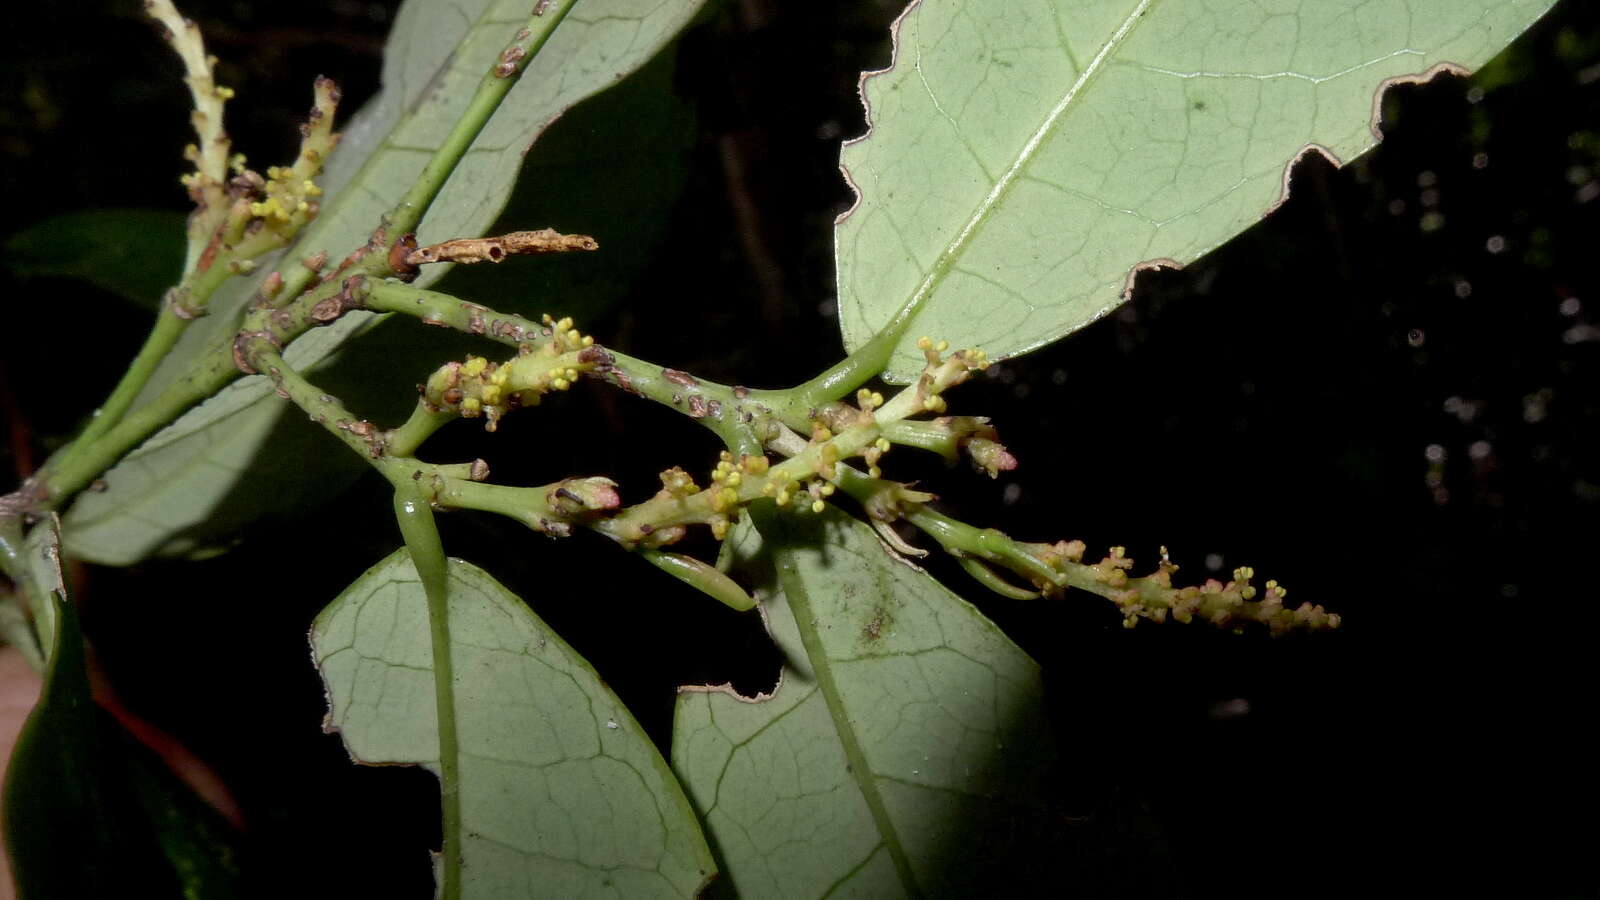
<point>550,509</point>
<point>702,577</point>
<point>183,303</point>
<point>802,482</point>
<point>157,344</point>
<point>424,421</point>
<point>64,475</point>
<point>492,89</point>
<point>733,413</point>
<point>73,469</point>
<point>114,431</point>
<point>415,516</point>
<point>850,373</point>
<point>228,231</point>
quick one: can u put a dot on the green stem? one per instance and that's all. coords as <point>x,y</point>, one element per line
<point>112,433</point>
<point>448,486</point>
<point>194,291</point>
<point>987,577</point>
<point>966,542</point>
<point>361,436</point>
<point>527,505</point>
<point>503,74</point>
<point>435,308</point>
<point>101,445</point>
<point>924,435</point>
<point>701,577</point>
<point>427,554</point>
<point>989,544</point>
<point>796,404</point>
<point>424,421</point>
<point>163,335</point>
<point>733,414</point>
<point>11,563</point>
<point>71,471</point>
<point>404,216</point>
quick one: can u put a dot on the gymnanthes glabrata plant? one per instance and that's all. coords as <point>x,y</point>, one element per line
<point>269,289</point>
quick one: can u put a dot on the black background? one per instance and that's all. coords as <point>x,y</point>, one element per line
<point>1271,405</point>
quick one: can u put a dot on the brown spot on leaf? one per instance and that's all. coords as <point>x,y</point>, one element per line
<point>875,626</point>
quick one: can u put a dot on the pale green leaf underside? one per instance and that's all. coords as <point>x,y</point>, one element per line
<point>435,57</point>
<point>934,711</point>
<point>1025,157</point>
<point>562,793</point>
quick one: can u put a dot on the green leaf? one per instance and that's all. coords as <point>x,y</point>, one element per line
<point>905,750</point>
<point>560,787</point>
<point>1022,165</point>
<point>87,810</point>
<point>133,253</point>
<point>163,497</point>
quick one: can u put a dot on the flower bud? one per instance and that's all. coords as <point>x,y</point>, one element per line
<point>574,496</point>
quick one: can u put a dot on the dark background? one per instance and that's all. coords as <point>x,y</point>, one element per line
<point>1273,405</point>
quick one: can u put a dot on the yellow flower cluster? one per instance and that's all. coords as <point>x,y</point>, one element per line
<point>1233,603</point>
<point>478,387</point>
<point>941,373</point>
<point>807,480</point>
<point>288,197</point>
<point>285,195</point>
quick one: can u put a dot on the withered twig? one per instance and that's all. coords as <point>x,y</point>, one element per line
<point>495,249</point>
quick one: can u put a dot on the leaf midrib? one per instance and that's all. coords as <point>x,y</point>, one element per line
<point>794,592</point>
<point>953,251</point>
